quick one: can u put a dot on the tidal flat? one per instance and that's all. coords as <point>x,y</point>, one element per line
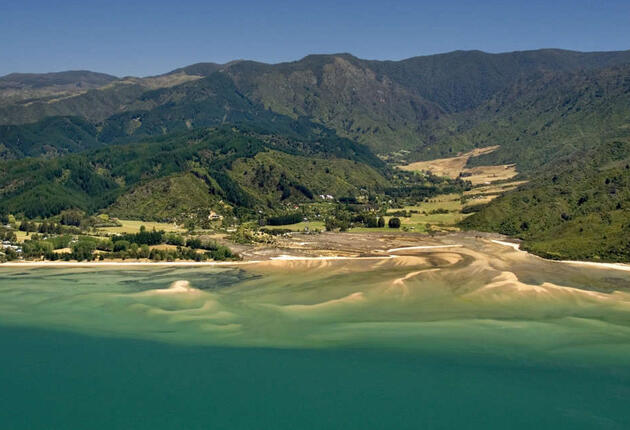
<point>474,334</point>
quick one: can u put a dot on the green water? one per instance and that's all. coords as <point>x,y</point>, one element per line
<point>55,380</point>
<point>374,344</point>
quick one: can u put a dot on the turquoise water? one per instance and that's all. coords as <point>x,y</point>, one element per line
<point>408,343</point>
<point>54,380</point>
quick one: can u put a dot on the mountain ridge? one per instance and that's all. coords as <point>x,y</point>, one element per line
<point>545,110</point>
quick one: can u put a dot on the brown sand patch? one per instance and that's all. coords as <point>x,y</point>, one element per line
<point>487,174</point>
<point>450,167</point>
<point>455,166</point>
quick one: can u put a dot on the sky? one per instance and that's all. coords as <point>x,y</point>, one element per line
<point>142,38</point>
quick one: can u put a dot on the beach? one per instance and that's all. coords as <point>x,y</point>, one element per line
<point>331,246</point>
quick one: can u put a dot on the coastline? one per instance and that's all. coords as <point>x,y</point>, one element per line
<point>283,257</point>
<point>262,255</point>
<point>593,264</point>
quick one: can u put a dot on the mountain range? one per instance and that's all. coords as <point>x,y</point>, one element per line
<point>242,134</point>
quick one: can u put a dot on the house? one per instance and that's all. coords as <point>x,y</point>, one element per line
<point>214,216</point>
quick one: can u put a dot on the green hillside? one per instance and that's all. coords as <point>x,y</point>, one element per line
<point>580,209</point>
<point>52,136</point>
<point>149,178</point>
<point>570,135</point>
<point>275,176</point>
<point>553,117</point>
<point>340,92</point>
<point>179,197</point>
<point>203,103</point>
<point>462,80</point>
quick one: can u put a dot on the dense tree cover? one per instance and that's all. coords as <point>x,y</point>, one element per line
<point>540,121</point>
<point>579,210</point>
<point>462,80</point>
<point>93,180</point>
<point>285,219</point>
<point>143,237</point>
<point>136,245</point>
<point>52,136</point>
<point>7,235</point>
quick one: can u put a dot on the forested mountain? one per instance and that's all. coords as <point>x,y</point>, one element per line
<point>230,167</point>
<point>133,145</point>
<point>388,105</point>
<point>52,136</point>
<point>578,209</point>
<point>570,136</point>
<point>545,118</point>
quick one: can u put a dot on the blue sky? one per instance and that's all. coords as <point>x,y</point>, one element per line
<point>150,37</point>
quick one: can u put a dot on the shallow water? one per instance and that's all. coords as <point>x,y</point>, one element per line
<point>466,338</point>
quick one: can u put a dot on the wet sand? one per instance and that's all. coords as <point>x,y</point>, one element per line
<point>369,291</point>
<point>335,246</point>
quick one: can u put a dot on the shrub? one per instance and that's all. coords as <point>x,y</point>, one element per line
<point>174,239</point>
<point>121,245</point>
<point>371,222</point>
<point>194,243</point>
<point>394,223</point>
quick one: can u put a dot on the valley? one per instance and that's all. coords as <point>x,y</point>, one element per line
<point>251,151</point>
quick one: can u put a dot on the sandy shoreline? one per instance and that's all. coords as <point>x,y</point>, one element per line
<point>363,251</point>
<point>593,264</point>
<point>182,263</point>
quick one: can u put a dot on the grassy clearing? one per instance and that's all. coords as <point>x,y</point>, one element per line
<point>494,189</point>
<point>487,174</point>
<point>164,247</point>
<point>300,226</point>
<point>22,236</point>
<point>424,214</point>
<point>132,226</point>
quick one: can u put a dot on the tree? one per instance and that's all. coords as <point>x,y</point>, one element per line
<point>194,243</point>
<point>371,222</point>
<point>331,224</point>
<point>71,218</point>
<point>121,245</point>
<point>394,223</point>
<point>144,251</point>
<point>83,250</point>
<point>381,222</point>
<point>174,239</point>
